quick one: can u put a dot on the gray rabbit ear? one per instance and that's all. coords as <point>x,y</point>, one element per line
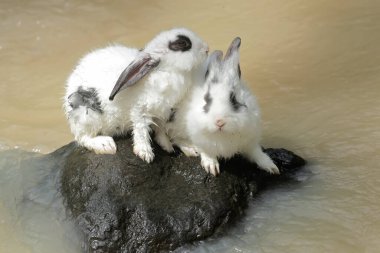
<point>233,48</point>
<point>213,61</point>
<point>231,60</point>
<point>136,70</point>
<point>216,56</point>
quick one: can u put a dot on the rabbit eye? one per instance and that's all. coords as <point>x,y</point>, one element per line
<point>235,104</point>
<point>182,43</point>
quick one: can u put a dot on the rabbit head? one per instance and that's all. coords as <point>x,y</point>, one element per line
<point>224,106</point>
<point>174,50</point>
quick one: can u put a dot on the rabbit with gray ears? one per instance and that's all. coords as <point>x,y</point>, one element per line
<point>116,89</point>
<point>220,117</point>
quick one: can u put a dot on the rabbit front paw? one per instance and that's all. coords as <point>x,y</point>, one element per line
<point>263,161</point>
<point>144,151</point>
<point>269,166</point>
<point>189,151</point>
<point>163,140</point>
<point>211,165</point>
<point>101,145</point>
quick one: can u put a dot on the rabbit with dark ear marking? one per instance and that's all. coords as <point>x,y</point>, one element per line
<point>116,89</point>
<point>220,117</point>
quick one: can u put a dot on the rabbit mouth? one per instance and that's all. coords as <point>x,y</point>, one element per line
<point>220,130</point>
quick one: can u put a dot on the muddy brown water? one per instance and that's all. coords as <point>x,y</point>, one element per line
<point>313,65</point>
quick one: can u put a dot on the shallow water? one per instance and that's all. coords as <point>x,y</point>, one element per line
<point>314,66</point>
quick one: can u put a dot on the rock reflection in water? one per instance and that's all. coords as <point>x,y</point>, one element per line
<point>34,219</point>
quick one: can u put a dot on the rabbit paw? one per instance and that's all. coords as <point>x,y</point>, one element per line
<point>164,142</point>
<point>270,168</point>
<point>102,145</point>
<point>144,151</point>
<point>265,163</point>
<point>189,151</point>
<point>211,165</point>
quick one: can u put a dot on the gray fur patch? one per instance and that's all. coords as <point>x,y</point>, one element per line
<point>172,115</point>
<point>234,103</point>
<point>215,79</point>
<point>206,74</point>
<point>85,97</point>
<point>208,100</point>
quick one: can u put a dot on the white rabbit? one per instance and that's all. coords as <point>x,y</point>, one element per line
<point>220,117</point>
<point>161,72</point>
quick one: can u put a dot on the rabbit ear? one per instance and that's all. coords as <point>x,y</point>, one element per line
<point>214,60</point>
<point>233,49</point>
<point>216,56</point>
<point>136,70</point>
<point>231,60</point>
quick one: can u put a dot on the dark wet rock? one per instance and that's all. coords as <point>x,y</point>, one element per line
<point>123,204</point>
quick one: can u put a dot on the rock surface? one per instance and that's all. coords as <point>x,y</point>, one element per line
<point>123,204</point>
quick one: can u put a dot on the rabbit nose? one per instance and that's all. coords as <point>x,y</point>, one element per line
<point>220,123</point>
<point>207,49</point>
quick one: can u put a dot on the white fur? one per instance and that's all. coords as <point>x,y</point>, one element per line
<point>138,106</point>
<point>195,131</point>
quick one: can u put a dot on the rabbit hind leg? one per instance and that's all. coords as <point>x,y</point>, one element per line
<point>86,123</point>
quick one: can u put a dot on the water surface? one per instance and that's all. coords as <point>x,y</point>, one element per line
<point>314,66</point>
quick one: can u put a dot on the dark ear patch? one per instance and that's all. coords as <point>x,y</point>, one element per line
<point>239,71</point>
<point>182,43</point>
